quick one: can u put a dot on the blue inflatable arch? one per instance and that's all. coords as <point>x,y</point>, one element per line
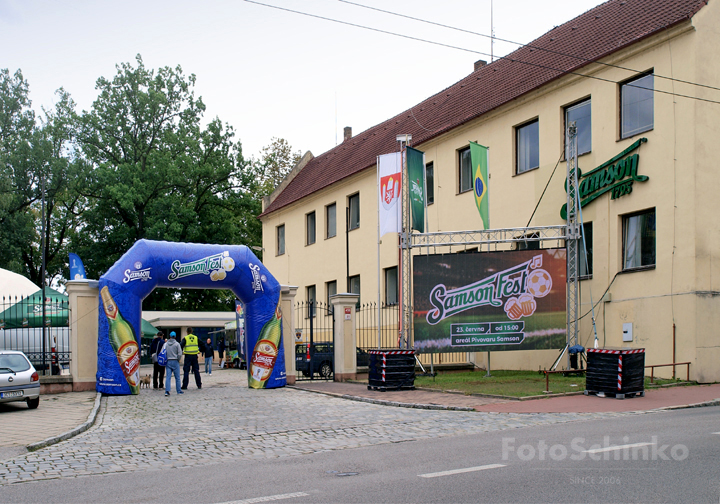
<point>150,264</point>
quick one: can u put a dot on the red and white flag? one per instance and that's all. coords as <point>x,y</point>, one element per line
<point>389,187</point>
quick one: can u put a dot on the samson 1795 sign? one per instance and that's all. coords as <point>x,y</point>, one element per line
<point>490,301</point>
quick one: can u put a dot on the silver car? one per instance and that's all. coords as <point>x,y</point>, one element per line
<point>18,379</point>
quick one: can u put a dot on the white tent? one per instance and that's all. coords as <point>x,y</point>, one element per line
<point>13,285</point>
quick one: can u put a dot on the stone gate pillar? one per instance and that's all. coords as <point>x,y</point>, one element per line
<point>84,307</point>
<point>287,300</point>
<point>345,338</point>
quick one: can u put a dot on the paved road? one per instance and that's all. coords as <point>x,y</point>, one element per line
<point>227,421</point>
<point>638,461</point>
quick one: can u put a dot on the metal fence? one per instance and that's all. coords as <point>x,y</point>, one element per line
<point>21,328</point>
<point>366,326</point>
<point>314,341</point>
<point>366,330</point>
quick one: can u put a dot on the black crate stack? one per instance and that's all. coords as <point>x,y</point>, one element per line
<point>615,372</point>
<point>391,370</point>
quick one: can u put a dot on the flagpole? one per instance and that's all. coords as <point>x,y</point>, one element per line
<point>379,194</point>
<point>427,221</point>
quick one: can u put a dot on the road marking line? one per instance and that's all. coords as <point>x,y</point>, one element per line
<point>268,498</point>
<point>615,448</point>
<point>718,433</point>
<point>459,471</point>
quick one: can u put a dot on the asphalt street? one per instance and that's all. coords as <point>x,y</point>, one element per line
<point>655,457</point>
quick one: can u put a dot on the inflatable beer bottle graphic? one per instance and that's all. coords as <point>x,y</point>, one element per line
<point>122,339</point>
<point>266,351</point>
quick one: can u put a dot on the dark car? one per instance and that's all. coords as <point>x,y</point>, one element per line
<point>321,358</point>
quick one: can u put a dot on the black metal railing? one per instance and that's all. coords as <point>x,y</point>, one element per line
<point>366,329</point>
<point>366,326</point>
<point>314,341</point>
<point>21,328</point>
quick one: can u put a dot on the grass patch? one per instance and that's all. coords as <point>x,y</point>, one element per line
<point>506,383</point>
<point>661,381</point>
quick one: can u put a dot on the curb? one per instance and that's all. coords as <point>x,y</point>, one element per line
<point>714,402</point>
<point>71,433</point>
<point>382,402</point>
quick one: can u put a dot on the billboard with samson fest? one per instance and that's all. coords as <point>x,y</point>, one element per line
<point>150,264</point>
<point>490,301</point>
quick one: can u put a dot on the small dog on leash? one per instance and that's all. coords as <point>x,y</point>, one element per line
<point>145,382</point>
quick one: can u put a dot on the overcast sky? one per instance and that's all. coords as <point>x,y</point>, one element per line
<point>269,73</point>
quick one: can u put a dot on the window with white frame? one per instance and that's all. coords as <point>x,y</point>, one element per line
<point>586,251</point>
<point>330,290</point>
<point>355,288</point>
<point>527,147</point>
<point>430,183</point>
<point>639,240</point>
<point>465,170</point>
<point>391,285</point>
<point>310,228</point>
<point>354,205</point>
<point>636,106</point>
<point>581,114</point>
<point>280,239</point>
<point>330,220</point>
<point>310,296</point>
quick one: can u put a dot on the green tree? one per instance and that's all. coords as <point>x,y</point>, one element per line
<point>17,123</point>
<point>276,161</point>
<point>36,162</point>
<point>159,174</point>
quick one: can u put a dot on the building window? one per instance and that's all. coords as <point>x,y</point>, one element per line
<point>636,106</point>
<point>465,164</point>
<point>331,290</point>
<point>310,228</point>
<point>280,239</point>
<point>354,205</point>
<point>331,220</point>
<point>639,240</point>
<point>580,113</point>
<point>355,288</point>
<point>391,286</point>
<point>310,296</point>
<point>530,244</point>
<point>429,183</point>
<point>527,147</point>
<point>586,251</point>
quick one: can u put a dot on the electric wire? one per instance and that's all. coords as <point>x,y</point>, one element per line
<point>544,190</point>
<point>520,44</point>
<point>450,46</point>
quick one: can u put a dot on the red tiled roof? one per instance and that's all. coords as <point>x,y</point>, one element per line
<point>590,36</point>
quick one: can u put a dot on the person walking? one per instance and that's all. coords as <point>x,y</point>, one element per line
<point>209,356</point>
<point>173,352</point>
<point>221,352</point>
<point>158,370</point>
<point>191,349</point>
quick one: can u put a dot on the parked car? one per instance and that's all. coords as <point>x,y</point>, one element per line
<point>19,381</point>
<point>322,356</point>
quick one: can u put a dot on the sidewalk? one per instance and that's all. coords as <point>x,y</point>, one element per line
<point>663,398</point>
<point>57,414</point>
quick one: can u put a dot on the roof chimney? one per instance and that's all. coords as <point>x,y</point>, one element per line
<point>479,64</point>
<point>347,133</point>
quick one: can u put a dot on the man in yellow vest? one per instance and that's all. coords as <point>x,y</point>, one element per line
<point>191,349</point>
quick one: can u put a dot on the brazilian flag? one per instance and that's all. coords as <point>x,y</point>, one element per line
<point>479,160</point>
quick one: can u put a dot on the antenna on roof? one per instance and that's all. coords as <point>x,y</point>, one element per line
<point>492,34</point>
<point>336,118</point>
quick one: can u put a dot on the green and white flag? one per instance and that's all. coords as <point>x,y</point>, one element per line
<point>416,178</point>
